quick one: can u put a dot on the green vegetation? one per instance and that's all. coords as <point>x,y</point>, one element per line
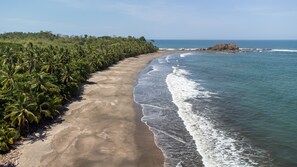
<point>42,71</point>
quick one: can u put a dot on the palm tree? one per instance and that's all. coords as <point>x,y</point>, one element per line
<point>67,76</point>
<point>7,77</point>
<point>21,111</point>
<point>47,105</point>
<point>40,82</point>
<point>30,61</point>
<point>69,82</point>
<point>7,136</point>
<point>8,57</point>
<point>49,65</point>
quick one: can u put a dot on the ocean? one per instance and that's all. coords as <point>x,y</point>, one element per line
<point>224,109</point>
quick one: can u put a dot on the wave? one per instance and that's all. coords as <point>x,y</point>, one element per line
<point>153,106</point>
<point>167,49</point>
<point>180,49</point>
<point>169,135</point>
<point>185,54</point>
<point>168,58</point>
<point>241,49</point>
<point>254,49</point>
<point>159,114</point>
<point>266,50</point>
<point>283,50</point>
<point>153,69</point>
<point>214,145</point>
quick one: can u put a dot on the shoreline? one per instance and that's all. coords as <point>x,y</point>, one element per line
<point>150,154</point>
<point>102,128</point>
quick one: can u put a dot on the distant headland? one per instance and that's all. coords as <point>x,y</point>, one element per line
<point>232,47</point>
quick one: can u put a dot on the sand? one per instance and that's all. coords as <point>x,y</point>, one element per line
<point>102,128</point>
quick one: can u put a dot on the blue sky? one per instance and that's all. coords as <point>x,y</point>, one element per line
<point>154,19</point>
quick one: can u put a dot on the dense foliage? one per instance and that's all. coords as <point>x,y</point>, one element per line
<point>41,71</point>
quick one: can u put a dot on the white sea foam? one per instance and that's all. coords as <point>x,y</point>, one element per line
<point>153,106</point>
<point>189,49</point>
<point>185,54</point>
<point>266,50</point>
<point>253,49</point>
<point>169,135</point>
<point>212,144</point>
<point>283,50</point>
<point>161,60</point>
<point>167,49</point>
<point>168,58</point>
<point>154,69</point>
<point>179,164</point>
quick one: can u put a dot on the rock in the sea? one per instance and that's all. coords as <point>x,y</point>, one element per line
<point>224,47</point>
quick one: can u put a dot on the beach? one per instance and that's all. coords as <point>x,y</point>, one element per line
<point>102,127</point>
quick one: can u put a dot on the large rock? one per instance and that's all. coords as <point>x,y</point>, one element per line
<point>224,47</point>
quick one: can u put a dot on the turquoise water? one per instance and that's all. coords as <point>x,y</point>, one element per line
<point>223,109</point>
<point>258,94</point>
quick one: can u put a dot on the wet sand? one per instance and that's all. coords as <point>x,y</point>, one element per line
<point>103,128</point>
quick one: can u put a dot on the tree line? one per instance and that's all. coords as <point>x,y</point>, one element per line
<point>42,71</point>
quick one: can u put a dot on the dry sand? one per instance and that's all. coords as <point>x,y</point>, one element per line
<point>102,129</point>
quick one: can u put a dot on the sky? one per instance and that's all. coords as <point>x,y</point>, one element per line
<point>154,19</point>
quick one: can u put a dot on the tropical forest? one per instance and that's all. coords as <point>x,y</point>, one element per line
<point>40,72</point>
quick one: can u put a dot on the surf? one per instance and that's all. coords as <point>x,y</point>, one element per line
<point>214,145</point>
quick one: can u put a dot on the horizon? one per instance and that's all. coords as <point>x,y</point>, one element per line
<point>174,20</point>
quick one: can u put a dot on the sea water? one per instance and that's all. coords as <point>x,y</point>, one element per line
<point>223,109</point>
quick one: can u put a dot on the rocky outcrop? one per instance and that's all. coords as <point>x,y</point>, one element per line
<point>232,47</point>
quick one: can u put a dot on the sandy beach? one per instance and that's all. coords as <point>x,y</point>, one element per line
<point>102,128</point>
